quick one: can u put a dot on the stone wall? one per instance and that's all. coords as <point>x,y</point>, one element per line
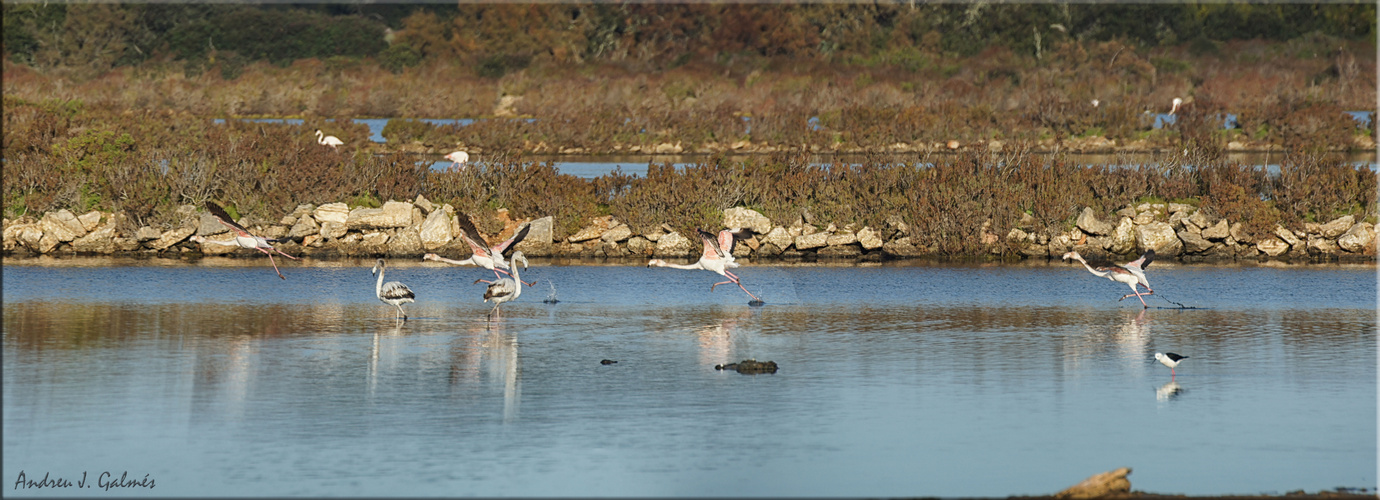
<point>410,229</point>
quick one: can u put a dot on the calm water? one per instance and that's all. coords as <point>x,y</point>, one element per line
<point>213,377</point>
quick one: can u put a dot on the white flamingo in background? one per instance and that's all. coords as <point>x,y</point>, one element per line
<point>458,158</point>
<point>504,289</point>
<point>1174,108</point>
<point>717,257</point>
<point>328,140</point>
<point>393,292</point>
<point>1131,273</point>
<point>483,255</point>
<point>242,237</point>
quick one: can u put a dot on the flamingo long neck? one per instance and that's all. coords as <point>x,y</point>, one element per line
<point>517,281</point>
<point>1090,268</point>
<point>662,263</point>
<point>466,262</point>
<point>378,286</point>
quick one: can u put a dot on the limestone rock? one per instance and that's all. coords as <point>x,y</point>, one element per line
<point>332,212</point>
<point>333,230</point>
<point>778,237</point>
<point>1318,245</point>
<point>640,246</point>
<point>808,241</point>
<point>435,230</point>
<point>146,234</point>
<point>172,237</point>
<point>1198,219</point>
<point>539,237</point>
<point>870,240</point>
<point>1127,212</point>
<point>1123,239</point>
<point>90,220</point>
<point>305,226</point>
<point>1106,484</point>
<point>840,239</point>
<point>1359,239</point>
<point>1088,221</point>
<point>768,250</point>
<point>673,245</point>
<point>426,205</point>
<point>1217,232</point>
<point>1144,218</point>
<point>746,218</point>
<point>1336,227</point>
<point>1287,236</point>
<point>209,225</point>
<point>101,240</point>
<point>616,234</point>
<point>1192,242</point>
<point>1160,237</point>
<point>895,225</point>
<point>61,225</point>
<point>1180,208</point>
<point>597,227</point>
<point>1238,231</point>
<point>1273,247</point>
<point>394,214</point>
<point>406,243</point>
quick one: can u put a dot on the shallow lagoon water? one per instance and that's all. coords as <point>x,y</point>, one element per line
<point>214,377</point>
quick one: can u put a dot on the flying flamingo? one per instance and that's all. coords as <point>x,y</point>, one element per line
<point>504,289</point>
<point>718,257</point>
<point>328,140</point>
<point>458,158</point>
<point>393,292</point>
<point>1171,360</point>
<point>483,255</point>
<point>242,237</point>
<point>1131,273</point>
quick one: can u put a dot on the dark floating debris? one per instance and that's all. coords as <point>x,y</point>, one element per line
<point>749,367</point>
<point>607,361</point>
<point>549,301</point>
<point>756,303</point>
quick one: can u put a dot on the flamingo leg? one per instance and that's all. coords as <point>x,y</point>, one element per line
<point>270,261</point>
<point>285,254</point>
<point>400,312</point>
<point>483,281</point>
<point>734,280</point>
<point>497,270</point>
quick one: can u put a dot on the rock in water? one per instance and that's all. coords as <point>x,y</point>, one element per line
<point>1110,483</point>
<point>749,367</point>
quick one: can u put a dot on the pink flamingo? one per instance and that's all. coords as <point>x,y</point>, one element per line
<point>328,140</point>
<point>1131,273</point>
<point>458,158</point>
<point>242,237</point>
<point>718,257</point>
<point>485,256</point>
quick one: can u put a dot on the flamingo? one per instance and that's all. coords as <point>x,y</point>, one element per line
<point>504,289</point>
<point>1171,360</point>
<point>1131,273</point>
<point>328,140</point>
<point>458,158</point>
<point>1174,108</point>
<point>717,257</point>
<point>393,292</point>
<point>488,257</point>
<point>242,237</point>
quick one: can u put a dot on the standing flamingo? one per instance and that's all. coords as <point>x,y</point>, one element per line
<point>504,289</point>
<point>1174,107</point>
<point>718,257</point>
<point>328,140</point>
<point>458,158</point>
<point>488,257</point>
<point>242,237</point>
<point>393,292</point>
<point>1171,360</point>
<point>1131,273</point>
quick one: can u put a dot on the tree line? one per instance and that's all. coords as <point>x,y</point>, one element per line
<point>496,38</point>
